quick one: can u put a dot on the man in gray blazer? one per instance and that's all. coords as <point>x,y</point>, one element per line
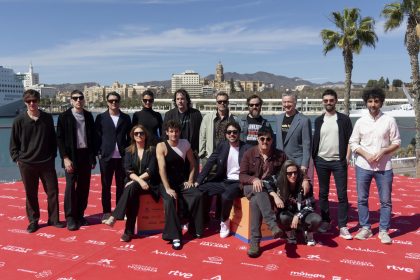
<point>294,136</point>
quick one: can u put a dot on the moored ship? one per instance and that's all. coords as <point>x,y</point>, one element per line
<point>11,90</point>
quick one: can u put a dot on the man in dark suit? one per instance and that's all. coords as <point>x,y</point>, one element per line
<point>225,181</point>
<point>113,134</point>
<point>76,144</point>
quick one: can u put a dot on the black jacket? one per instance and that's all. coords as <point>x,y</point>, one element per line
<point>345,128</point>
<point>219,157</point>
<point>107,134</point>
<point>67,136</point>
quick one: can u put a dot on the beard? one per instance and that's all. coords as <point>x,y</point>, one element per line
<point>329,108</point>
<point>254,113</point>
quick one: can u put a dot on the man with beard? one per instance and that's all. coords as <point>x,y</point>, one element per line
<point>253,121</point>
<point>331,154</point>
<point>375,137</point>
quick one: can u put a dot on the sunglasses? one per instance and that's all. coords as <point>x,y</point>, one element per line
<point>29,101</point>
<point>235,132</point>
<point>262,139</point>
<point>291,173</point>
<point>254,105</point>
<point>80,97</point>
<point>112,101</point>
<point>222,102</point>
<point>148,100</point>
<point>139,133</point>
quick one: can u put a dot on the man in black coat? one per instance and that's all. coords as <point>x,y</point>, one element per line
<point>113,137</point>
<point>225,181</point>
<point>76,144</point>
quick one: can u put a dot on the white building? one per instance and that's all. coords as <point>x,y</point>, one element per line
<point>30,79</point>
<point>44,91</point>
<point>188,80</point>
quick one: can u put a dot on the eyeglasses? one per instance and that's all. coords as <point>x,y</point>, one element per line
<point>291,173</point>
<point>80,97</point>
<point>139,133</point>
<point>262,139</point>
<point>148,100</point>
<point>235,132</point>
<point>222,101</point>
<point>29,101</point>
<point>254,105</point>
<point>112,101</point>
<point>326,101</point>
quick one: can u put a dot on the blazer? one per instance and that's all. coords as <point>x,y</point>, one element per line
<point>67,136</point>
<point>298,142</point>
<point>219,157</point>
<point>107,134</point>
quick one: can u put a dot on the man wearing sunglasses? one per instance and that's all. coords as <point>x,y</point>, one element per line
<point>213,126</point>
<point>225,181</point>
<point>33,146</point>
<point>113,136</point>
<point>76,145</point>
<point>251,123</point>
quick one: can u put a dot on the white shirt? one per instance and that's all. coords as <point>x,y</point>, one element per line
<point>233,163</point>
<point>116,153</point>
<point>328,142</point>
<point>373,134</point>
<point>182,148</point>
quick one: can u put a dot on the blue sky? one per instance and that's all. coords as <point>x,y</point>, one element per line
<point>143,40</point>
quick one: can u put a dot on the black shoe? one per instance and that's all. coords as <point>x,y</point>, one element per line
<point>176,244</point>
<point>57,224</point>
<point>254,250</point>
<point>32,227</point>
<point>83,222</point>
<point>125,237</point>
<point>72,225</point>
<point>277,232</point>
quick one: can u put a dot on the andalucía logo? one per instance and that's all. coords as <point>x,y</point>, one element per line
<point>169,254</point>
<point>365,250</point>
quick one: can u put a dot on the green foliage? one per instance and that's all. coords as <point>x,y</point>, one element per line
<point>397,83</point>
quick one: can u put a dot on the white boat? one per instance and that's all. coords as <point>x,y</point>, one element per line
<point>11,91</point>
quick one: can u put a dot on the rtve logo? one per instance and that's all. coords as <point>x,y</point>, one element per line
<point>180,274</point>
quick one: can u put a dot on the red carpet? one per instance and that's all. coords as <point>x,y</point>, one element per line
<point>95,252</point>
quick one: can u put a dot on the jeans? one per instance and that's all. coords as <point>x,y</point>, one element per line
<point>384,183</point>
<point>339,170</point>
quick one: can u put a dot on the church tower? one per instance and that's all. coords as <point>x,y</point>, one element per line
<point>220,77</point>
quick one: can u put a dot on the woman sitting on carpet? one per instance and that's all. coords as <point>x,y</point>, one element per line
<point>296,209</point>
<point>141,178</point>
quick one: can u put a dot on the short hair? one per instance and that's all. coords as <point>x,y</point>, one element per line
<point>222,93</point>
<point>185,94</point>
<point>172,124</point>
<point>253,97</point>
<point>290,93</point>
<point>148,92</point>
<point>234,124</point>
<point>373,93</point>
<point>31,93</point>
<point>114,93</point>
<point>330,92</point>
<point>265,129</point>
<point>76,91</point>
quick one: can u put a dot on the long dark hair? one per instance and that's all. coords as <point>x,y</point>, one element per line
<point>132,149</point>
<point>283,187</point>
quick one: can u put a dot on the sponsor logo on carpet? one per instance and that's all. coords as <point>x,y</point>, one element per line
<point>103,263</point>
<point>2,264</point>
<point>69,239</point>
<point>217,277</point>
<point>178,273</point>
<point>17,206</point>
<point>45,235</point>
<point>96,242</point>
<point>66,278</point>
<point>366,250</point>
<point>144,268</point>
<point>214,260</point>
<point>17,218</point>
<point>8,197</point>
<point>16,230</point>
<point>16,249</point>
<point>58,255</point>
<point>400,268</point>
<point>214,244</point>
<point>306,274</point>
<point>128,247</point>
<point>357,263</point>
<point>42,274</point>
<point>402,242</point>
<point>170,254</point>
<point>414,256</point>
<point>315,258</point>
<point>271,267</point>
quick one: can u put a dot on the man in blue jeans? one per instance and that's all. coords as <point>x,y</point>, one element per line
<point>375,137</point>
<point>331,154</point>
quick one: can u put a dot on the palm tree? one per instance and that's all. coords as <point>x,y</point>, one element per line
<point>353,33</point>
<point>395,13</point>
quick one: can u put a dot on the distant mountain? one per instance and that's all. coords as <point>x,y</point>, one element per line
<point>71,87</point>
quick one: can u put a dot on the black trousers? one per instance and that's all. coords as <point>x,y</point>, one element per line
<point>228,191</point>
<point>190,199</point>
<point>77,187</point>
<point>108,168</point>
<point>128,205</point>
<point>31,174</point>
<point>309,223</point>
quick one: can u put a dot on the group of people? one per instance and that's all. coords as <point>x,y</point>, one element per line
<point>239,156</point>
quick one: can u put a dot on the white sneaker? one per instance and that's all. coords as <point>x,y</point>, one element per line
<point>384,237</point>
<point>105,217</point>
<point>225,229</point>
<point>309,236</point>
<point>344,233</point>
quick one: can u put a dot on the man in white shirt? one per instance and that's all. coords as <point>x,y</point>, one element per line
<point>375,137</point>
